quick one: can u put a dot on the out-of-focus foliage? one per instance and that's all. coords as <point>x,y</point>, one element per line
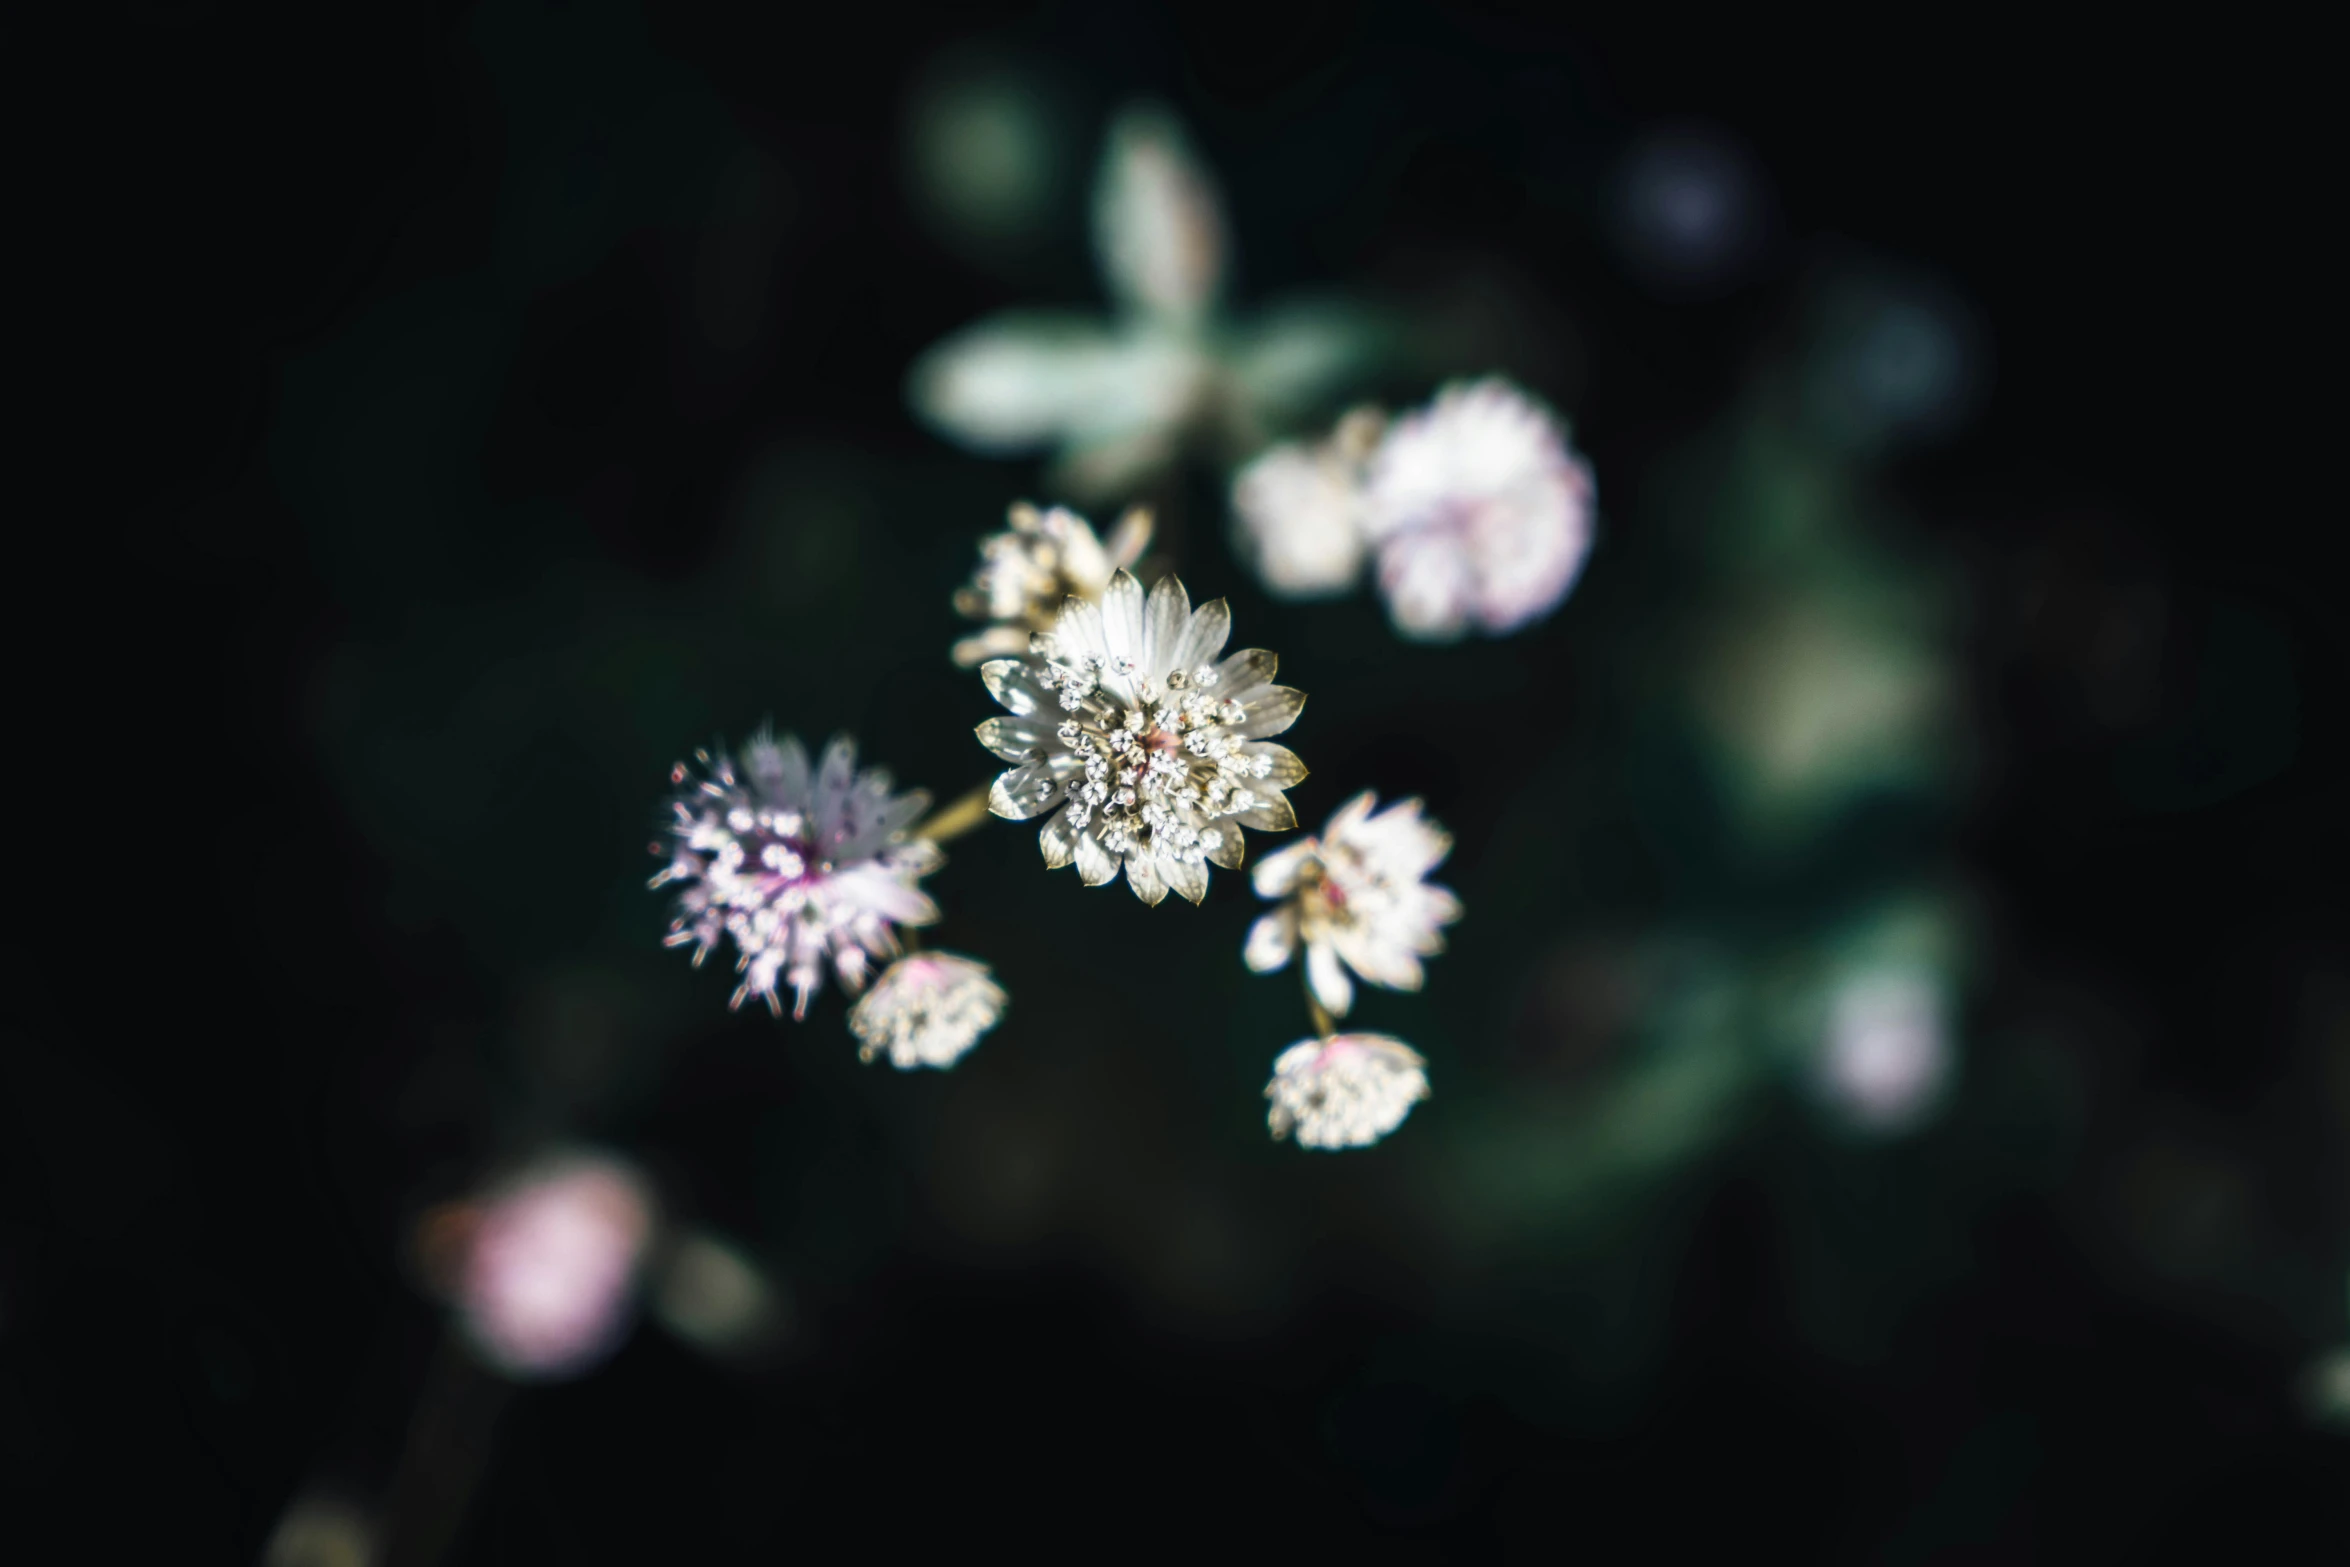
<point>1118,398</point>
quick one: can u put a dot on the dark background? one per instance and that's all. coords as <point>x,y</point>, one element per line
<point>345,728</point>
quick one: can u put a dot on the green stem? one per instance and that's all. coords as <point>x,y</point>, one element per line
<point>956,818</point>
<point>1323,1026</point>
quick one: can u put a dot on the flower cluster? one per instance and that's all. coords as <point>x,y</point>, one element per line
<point>927,1009</point>
<point>1025,573</point>
<point>1476,507</point>
<point>797,865</point>
<point>1344,1091</point>
<point>1158,754</point>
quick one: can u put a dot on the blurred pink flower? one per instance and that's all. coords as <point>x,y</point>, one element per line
<point>547,1280</point>
<point>1480,511</point>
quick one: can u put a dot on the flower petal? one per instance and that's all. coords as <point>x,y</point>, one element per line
<point>1204,638</point>
<point>1187,877</point>
<point>1095,864</point>
<point>1058,840</point>
<point>1122,618</point>
<point>1142,874</point>
<point>1276,874</point>
<point>994,642</point>
<point>1380,962</point>
<point>1326,977</point>
<point>1288,772</point>
<point>1168,617</point>
<point>1079,631</point>
<point>1244,672</point>
<point>1228,851</point>
<point>1024,792</point>
<point>1272,713</point>
<point>1013,683</point>
<point>1272,941</point>
<point>1275,815</point>
<point>1014,739</point>
<point>836,774</point>
<point>1128,539</point>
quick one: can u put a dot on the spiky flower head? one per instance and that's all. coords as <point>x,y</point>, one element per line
<point>1298,509</point>
<point>1346,1091</point>
<point>1146,752</point>
<point>926,1010</point>
<point>1356,897</point>
<point>1025,573</point>
<point>1480,511</point>
<point>798,865</point>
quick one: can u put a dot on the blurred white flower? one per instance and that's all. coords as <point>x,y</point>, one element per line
<point>1299,510</point>
<point>927,1009</point>
<point>547,1278</point>
<point>796,865</point>
<point>1885,1058</point>
<point>1116,398</point>
<point>1480,511</point>
<point>1347,1091</point>
<point>1026,572</point>
<point>1158,756</point>
<point>1356,897</point>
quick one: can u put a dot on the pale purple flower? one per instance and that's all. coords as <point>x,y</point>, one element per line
<point>547,1279</point>
<point>1143,752</point>
<point>1480,512</point>
<point>1346,1091</point>
<point>1298,510</point>
<point>1026,572</point>
<point>927,1009</point>
<point>798,866</point>
<point>1356,897</point>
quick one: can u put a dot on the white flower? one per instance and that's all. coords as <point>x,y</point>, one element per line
<point>1157,756</point>
<point>926,1010</point>
<point>1116,398</point>
<point>1026,572</point>
<point>1347,1091</point>
<point>1357,898</point>
<point>549,1269</point>
<point>1480,513</point>
<point>1299,510</point>
<point>796,865</point>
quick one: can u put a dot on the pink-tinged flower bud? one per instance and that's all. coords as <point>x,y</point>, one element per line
<point>1347,1091</point>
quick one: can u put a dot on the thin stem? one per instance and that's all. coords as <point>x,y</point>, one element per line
<point>957,818</point>
<point>444,1459</point>
<point>1323,1026</point>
